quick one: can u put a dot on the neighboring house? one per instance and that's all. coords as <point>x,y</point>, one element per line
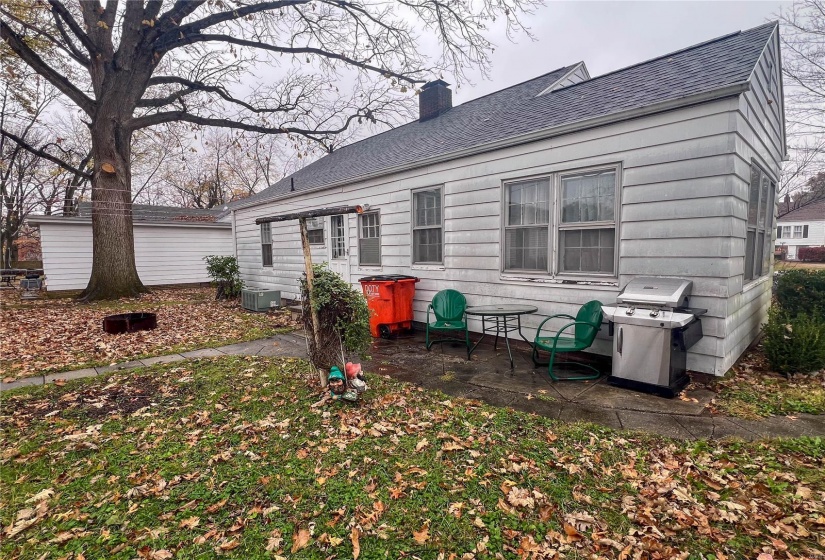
<point>559,190</point>
<point>803,227</point>
<point>170,244</point>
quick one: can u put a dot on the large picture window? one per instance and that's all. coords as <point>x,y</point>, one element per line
<point>369,239</point>
<point>428,240</point>
<point>266,244</point>
<point>758,243</point>
<point>581,233</point>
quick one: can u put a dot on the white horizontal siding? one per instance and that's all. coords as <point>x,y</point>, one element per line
<point>163,254</point>
<point>759,138</point>
<point>679,216</point>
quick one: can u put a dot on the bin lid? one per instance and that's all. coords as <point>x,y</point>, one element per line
<point>387,278</point>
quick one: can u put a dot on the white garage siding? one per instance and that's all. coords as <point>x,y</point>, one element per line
<point>164,253</point>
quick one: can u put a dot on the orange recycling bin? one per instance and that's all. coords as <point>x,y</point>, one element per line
<point>389,298</point>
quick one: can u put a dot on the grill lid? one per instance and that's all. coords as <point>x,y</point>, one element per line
<point>660,292</point>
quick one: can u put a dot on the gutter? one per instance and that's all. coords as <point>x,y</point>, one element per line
<point>543,134</point>
<point>37,220</point>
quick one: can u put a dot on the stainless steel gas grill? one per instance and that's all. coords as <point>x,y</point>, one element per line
<point>653,327</point>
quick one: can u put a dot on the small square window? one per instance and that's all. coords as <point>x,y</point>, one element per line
<point>315,231</point>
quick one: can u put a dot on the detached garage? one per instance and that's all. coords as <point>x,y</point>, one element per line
<point>170,244</point>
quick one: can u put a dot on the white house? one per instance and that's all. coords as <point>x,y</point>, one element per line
<point>803,227</point>
<point>559,190</point>
<point>170,244</point>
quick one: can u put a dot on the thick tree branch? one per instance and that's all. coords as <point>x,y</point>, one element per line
<point>194,27</point>
<point>45,155</point>
<point>37,64</point>
<point>195,86</point>
<point>60,11</point>
<point>182,116</point>
<point>203,37</point>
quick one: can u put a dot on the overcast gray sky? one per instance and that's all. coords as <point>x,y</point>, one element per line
<point>610,35</point>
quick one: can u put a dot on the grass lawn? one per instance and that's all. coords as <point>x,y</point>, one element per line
<point>49,335</point>
<point>227,457</point>
<point>751,390</point>
<point>797,265</point>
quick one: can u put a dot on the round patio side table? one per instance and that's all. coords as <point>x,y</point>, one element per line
<point>504,318</point>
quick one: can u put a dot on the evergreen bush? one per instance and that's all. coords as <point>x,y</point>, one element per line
<point>225,274</point>
<point>801,291</point>
<point>794,344</point>
<point>343,316</point>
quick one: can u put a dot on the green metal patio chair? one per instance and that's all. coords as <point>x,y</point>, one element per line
<point>448,306</point>
<point>586,324</point>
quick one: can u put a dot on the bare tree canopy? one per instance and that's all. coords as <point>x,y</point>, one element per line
<point>131,65</point>
<point>803,62</point>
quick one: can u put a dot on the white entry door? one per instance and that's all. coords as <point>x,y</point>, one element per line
<point>339,245</point>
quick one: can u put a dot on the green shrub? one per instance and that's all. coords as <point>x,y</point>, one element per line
<point>225,275</point>
<point>801,291</point>
<point>343,315</point>
<point>794,344</point>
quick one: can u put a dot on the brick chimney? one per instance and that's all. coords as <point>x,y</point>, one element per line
<point>435,99</point>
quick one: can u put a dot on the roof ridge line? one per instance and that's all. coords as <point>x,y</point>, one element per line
<point>668,55</point>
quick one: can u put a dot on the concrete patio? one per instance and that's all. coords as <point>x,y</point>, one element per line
<point>487,377</point>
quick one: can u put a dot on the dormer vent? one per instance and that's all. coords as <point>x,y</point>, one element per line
<point>435,99</point>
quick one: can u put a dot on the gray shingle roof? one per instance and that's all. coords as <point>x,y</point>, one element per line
<point>814,211</point>
<point>518,110</point>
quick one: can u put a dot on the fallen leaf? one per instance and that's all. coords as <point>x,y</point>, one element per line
<point>356,546</point>
<point>300,540</point>
<point>423,535</point>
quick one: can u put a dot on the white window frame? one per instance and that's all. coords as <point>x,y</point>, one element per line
<point>333,248</point>
<point>415,227</point>
<point>797,232</point>
<point>315,225</point>
<point>760,268</point>
<point>361,218</point>
<point>787,232</point>
<point>266,244</point>
<point>555,225</point>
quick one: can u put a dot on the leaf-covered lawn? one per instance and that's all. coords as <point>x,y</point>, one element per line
<point>228,457</point>
<point>752,390</point>
<point>48,335</point>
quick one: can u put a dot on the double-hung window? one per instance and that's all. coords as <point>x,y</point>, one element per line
<point>428,240</point>
<point>797,232</point>
<point>315,231</point>
<point>369,239</point>
<point>563,224</point>
<point>338,237</point>
<point>266,244</point>
<point>758,243</point>
<point>587,228</point>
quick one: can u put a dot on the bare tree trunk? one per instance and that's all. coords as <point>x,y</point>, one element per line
<point>114,273</point>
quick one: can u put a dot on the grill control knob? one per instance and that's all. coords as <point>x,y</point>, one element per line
<point>654,313</point>
<point>630,311</point>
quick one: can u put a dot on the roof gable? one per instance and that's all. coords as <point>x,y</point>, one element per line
<point>813,212</point>
<point>520,110</point>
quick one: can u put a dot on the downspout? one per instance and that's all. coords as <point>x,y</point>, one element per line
<point>234,237</point>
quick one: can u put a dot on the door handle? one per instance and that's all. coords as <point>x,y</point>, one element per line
<point>619,341</point>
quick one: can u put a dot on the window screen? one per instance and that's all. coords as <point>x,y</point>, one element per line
<point>338,237</point>
<point>266,244</point>
<point>369,239</point>
<point>315,231</point>
<point>427,227</point>
<point>587,232</point>
<point>526,231</point>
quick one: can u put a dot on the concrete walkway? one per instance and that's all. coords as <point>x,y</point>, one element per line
<point>488,377</point>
